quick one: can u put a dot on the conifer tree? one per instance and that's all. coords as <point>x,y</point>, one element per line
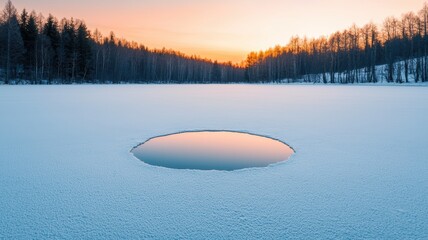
<point>11,42</point>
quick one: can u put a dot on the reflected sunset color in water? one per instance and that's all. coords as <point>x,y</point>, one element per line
<point>212,150</point>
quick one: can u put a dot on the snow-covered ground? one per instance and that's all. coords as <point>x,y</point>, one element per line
<point>360,76</point>
<point>360,168</point>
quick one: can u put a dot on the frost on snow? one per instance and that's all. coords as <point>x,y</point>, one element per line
<point>360,168</point>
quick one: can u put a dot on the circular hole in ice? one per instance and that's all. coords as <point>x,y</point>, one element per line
<point>212,150</point>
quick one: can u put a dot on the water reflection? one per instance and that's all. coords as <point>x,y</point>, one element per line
<point>212,150</point>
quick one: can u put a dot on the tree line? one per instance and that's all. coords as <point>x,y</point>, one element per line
<point>46,50</point>
<point>36,50</point>
<point>350,56</point>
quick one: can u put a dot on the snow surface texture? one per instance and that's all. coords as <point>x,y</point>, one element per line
<point>360,168</point>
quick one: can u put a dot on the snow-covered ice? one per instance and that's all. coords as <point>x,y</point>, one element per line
<point>360,168</point>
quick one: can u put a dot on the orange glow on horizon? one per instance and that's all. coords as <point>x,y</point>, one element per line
<point>220,29</point>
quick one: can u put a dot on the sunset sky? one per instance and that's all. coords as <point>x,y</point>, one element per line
<point>220,29</point>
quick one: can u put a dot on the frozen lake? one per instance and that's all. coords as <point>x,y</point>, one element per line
<point>360,168</point>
